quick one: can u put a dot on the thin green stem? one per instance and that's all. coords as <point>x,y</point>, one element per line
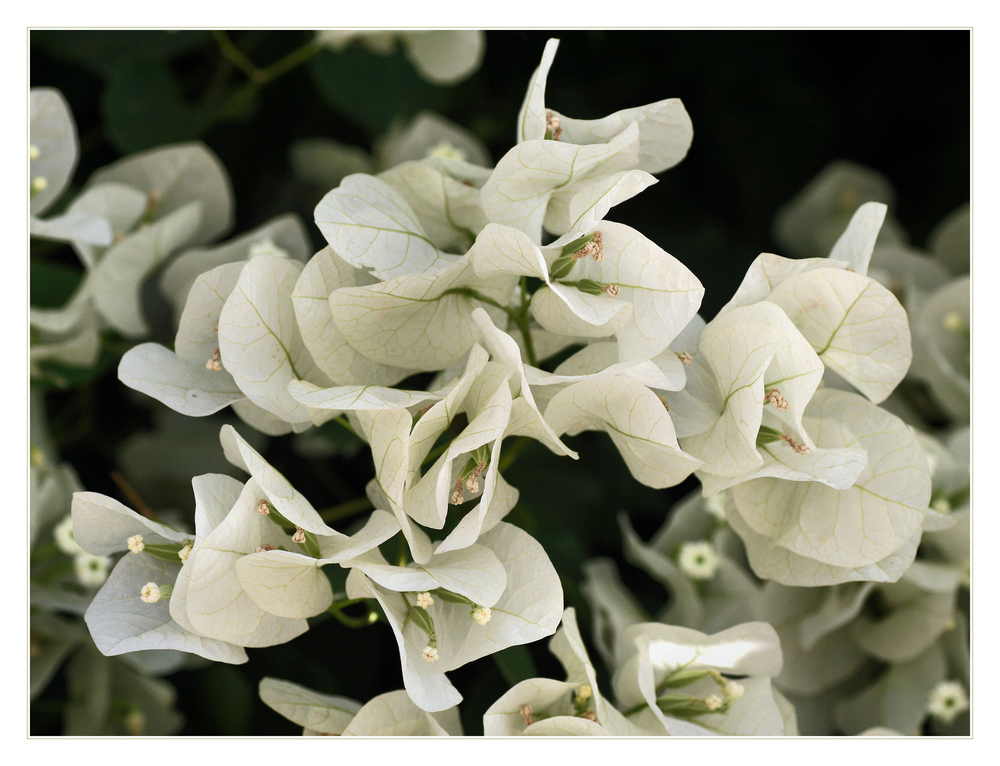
<point>435,453</point>
<point>228,49</point>
<point>468,291</point>
<point>298,56</point>
<point>343,421</point>
<point>511,455</point>
<point>401,552</point>
<point>256,76</point>
<point>346,510</point>
<point>352,622</point>
<point>523,325</point>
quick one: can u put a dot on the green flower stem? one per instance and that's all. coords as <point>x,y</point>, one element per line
<point>228,49</point>
<point>522,323</point>
<point>256,76</point>
<point>346,510</point>
<point>345,423</point>
<point>370,618</point>
<point>435,453</point>
<point>519,316</point>
<point>402,551</point>
<point>511,455</point>
<point>298,56</point>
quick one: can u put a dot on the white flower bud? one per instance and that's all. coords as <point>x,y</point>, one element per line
<point>215,362</point>
<point>698,560</point>
<point>430,654</point>
<point>733,691</point>
<point>150,593</point>
<point>713,702</point>
<point>136,544</point>
<point>183,553</point>
<point>424,600</point>
<point>948,700</point>
<point>482,614</point>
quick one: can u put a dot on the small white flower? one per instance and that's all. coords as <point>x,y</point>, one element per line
<point>33,152</point>
<point>424,600</point>
<point>947,701</point>
<point>65,539</point>
<point>713,702</point>
<point>716,505</point>
<point>150,593</point>
<point>447,151</point>
<point>136,544</point>
<point>39,185</point>
<point>733,691</point>
<point>91,571</point>
<point>482,614</point>
<point>699,560</point>
<point>183,553</point>
<point>430,654</point>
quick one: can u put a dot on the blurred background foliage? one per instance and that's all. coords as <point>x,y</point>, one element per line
<point>770,110</point>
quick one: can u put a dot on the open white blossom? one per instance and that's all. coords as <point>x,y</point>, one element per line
<point>91,571</point>
<point>698,560</point>
<point>948,701</point>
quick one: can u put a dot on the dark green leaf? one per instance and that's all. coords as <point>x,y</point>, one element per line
<point>516,664</point>
<point>52,284</point>
<point>143,107</point>
<point>104,51</point>
<point>373,90</point>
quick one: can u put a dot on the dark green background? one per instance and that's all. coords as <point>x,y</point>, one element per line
<point>770,109</point>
